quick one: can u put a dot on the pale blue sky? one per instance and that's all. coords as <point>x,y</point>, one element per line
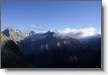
<point>59,15</point>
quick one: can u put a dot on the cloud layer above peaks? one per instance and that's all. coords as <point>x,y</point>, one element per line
<point>79,33</point>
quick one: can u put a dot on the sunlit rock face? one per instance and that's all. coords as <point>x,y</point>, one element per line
<point>14,35</point>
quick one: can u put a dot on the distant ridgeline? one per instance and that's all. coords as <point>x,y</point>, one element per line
<point>46,50</point>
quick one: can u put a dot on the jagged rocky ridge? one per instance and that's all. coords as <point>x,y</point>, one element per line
<point>47,50</point>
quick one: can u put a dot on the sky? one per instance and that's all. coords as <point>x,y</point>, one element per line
<point>54,16</point>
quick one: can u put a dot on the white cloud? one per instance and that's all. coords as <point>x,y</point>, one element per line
<point>38,28</point>
<point>99,32</point>
<point>35,26</point>
<point>79,33</point>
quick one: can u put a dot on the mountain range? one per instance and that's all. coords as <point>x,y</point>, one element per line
<point>20,49</point>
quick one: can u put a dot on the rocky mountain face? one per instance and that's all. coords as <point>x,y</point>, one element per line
<point>11,55</point>
<point>14,35</point>
<point>47,50</point>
